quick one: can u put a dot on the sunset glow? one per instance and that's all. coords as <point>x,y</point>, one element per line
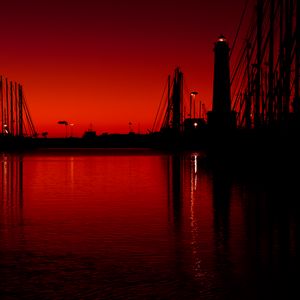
<point>104,64</point>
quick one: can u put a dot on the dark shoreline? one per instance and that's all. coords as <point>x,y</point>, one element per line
<point>272,148</point>
<point>255,141</point>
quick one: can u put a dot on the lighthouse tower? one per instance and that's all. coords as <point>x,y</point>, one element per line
<point>221,117</point>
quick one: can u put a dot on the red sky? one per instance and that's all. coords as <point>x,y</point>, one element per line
<point>105,63</point>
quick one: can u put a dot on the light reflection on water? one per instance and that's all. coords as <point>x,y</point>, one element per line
<point>142,225</point>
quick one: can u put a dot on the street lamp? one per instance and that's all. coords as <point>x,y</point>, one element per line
<point>193,97</point>
<point>66,124</point>
<point>71,133</point>
<point>5,126</point>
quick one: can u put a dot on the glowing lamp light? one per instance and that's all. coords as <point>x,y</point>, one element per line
<point>222,39</point>
<point>195,125</point>
<point>5,126</point>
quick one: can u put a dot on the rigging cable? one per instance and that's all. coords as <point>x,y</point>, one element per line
<point>159,107</point>
<point>239,26</point>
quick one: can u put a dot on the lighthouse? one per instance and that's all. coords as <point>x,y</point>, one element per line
<point>221,117</point>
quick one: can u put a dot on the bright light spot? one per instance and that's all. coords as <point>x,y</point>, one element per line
<point>195,125</point>
<point>221,38</point>
<point>195,164</point>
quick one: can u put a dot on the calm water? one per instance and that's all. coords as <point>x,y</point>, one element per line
<point>129,224</point>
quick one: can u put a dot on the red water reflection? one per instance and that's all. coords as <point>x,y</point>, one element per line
<point>116,224</point>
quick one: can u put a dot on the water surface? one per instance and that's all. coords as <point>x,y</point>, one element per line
<point>134,224</point>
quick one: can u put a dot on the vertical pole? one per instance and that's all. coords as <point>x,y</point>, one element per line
<point>169,102</point>
<point>248,94</point>
<point>258,61</point>
<point>266,98</point>
<point>263,82</point>
<point>297,62</point>
<point>7,106</point>
<point>281,62</point>
<point>241,106</point>
<point>181,101</point>
<point>2,104</point>
<point>177,103</point>
<point>20,111</point>
<point>191,105</point>
<point>288,51</point>
<point>16,110</point>
<point>11,109</point>
<point>276,96</point>
<point>200,110</point>
<point>270,113</point>
<point>194,106</point>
